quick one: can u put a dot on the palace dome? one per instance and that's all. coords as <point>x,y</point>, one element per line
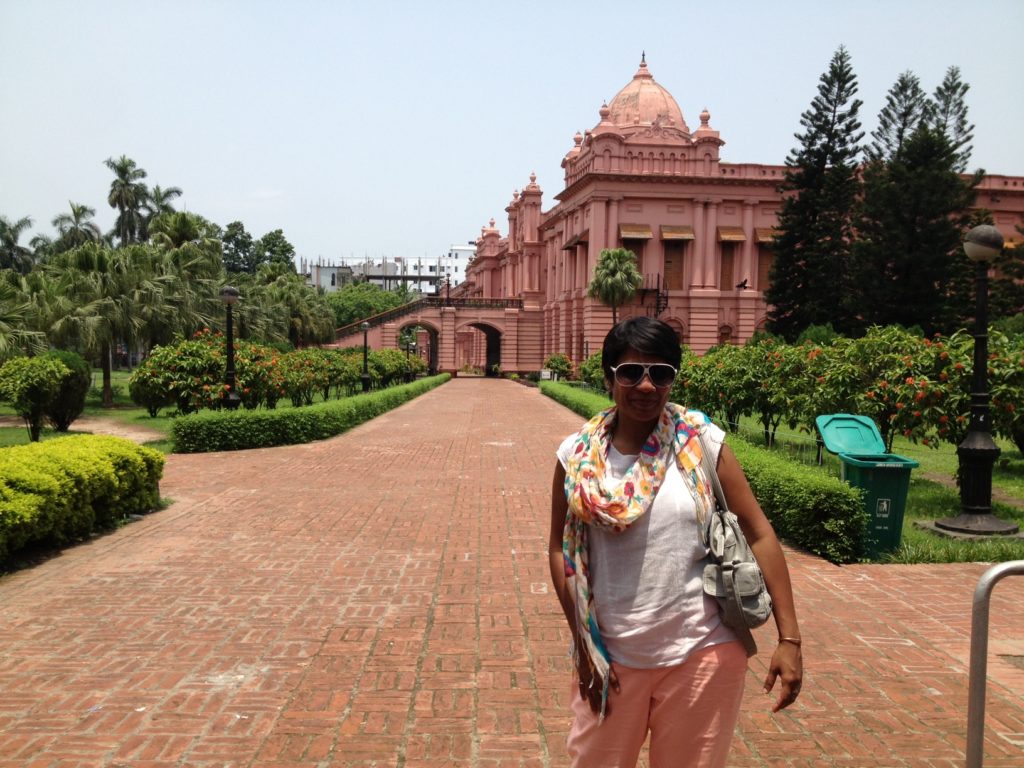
<point>643,102</point>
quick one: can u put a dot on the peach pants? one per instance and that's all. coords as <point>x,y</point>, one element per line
<point>690,709</point>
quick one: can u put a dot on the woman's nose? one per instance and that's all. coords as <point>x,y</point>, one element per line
<point>646,382</point>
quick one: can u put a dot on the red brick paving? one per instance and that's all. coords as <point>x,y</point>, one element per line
<point>382,599</point>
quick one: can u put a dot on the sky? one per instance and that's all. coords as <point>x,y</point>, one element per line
<point>400,127</point>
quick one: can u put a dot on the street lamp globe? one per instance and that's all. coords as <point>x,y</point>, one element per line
<point>983,243</point>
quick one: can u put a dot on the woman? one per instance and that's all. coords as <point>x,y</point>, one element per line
<point>626,557</point>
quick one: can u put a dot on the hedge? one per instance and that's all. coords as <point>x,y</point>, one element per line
<point>62,490</point>
<point>807,507</point>
<point>240,430</point>
<point>583,402</point>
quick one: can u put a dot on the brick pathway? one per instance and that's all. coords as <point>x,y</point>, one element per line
<point>382,599</point>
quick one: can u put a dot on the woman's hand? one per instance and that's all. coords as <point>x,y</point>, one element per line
<point>590,685</point>
<point>787,664</point>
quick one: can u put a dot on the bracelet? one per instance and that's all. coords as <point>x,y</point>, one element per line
<point>794,640</point>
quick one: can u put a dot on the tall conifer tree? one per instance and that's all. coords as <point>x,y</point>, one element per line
<point>914,212</point>
<point>811,281</point>
<point>948,114</point>
<point>906,105</point>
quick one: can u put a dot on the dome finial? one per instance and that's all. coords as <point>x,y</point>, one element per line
<point>642,72</point>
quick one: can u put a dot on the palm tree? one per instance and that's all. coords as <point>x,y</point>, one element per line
<point>175,229</point>
<point>76,228</point>
<point>310,319</point>
<point>107,291</point>
<point>127,194</point>
<point>157,203</point>
<point>616,279</point>
<point>17,318</point>
<point>43,247</point>
<point>13,255</point>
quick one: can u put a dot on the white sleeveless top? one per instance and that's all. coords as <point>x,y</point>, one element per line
<point>647,581</point>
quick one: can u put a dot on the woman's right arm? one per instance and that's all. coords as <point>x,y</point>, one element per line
<point>559,509</point>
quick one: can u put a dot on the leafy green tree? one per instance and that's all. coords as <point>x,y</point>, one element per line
<point>239,249</point>
<point>13,255</point>
<point>76,227</point>
<point>811,281</point>
<point>128,194</point>
<point>616,279</point>
<point>29,384</point>
<point>948,114</point>
<point>357,301</point>
<point>274,248</point>
<point>731,383</point>
<point>766,358</point>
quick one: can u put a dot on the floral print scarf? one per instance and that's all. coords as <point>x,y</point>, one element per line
<point>595,500</point>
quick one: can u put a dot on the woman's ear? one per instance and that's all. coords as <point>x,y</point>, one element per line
<point>607,385</point>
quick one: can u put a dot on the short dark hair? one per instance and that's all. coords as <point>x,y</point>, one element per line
<point>647,336</point>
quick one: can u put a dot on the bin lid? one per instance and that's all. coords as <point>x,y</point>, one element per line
<point>849,433</point>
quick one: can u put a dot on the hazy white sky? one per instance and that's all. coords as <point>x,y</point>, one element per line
<point>396,128</point>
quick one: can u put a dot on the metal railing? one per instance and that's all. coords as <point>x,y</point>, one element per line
<point>979,658</point>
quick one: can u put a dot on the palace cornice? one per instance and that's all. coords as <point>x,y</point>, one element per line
<point>633,178</point>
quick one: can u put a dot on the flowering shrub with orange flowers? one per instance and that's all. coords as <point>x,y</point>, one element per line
<point>911,386</point>
<point>189,375</point>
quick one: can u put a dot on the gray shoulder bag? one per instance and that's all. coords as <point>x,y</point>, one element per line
<point>732,575</point>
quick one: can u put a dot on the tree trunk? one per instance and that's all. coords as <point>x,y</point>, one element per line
<point>108,390</point>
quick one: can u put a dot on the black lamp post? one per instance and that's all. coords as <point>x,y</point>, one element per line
<point>978,452</point>
<point>366,369</point>
<point>231,400</point>
<point>409,347</point>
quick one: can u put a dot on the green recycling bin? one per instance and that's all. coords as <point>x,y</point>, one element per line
<point>884,477</point>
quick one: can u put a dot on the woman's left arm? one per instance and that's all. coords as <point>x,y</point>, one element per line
<point>787,661</point>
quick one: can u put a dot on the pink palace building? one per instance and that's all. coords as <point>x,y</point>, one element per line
<point>642,179</point>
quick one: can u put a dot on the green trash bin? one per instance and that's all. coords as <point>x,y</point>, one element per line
<point>884,477</point>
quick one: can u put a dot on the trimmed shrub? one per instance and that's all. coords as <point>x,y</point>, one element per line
<point>239,430</point>
<point>69,401</point>
<point>587,404</point>
<point>592,373</point>
<point>63,489</point>
<point>559,364</point>
<point>29,384</point>
<point>807,507</point>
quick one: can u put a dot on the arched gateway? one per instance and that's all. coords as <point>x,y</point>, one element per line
<point>489,334</point>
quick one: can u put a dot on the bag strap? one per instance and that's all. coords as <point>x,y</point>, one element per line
<point>733,612</point>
